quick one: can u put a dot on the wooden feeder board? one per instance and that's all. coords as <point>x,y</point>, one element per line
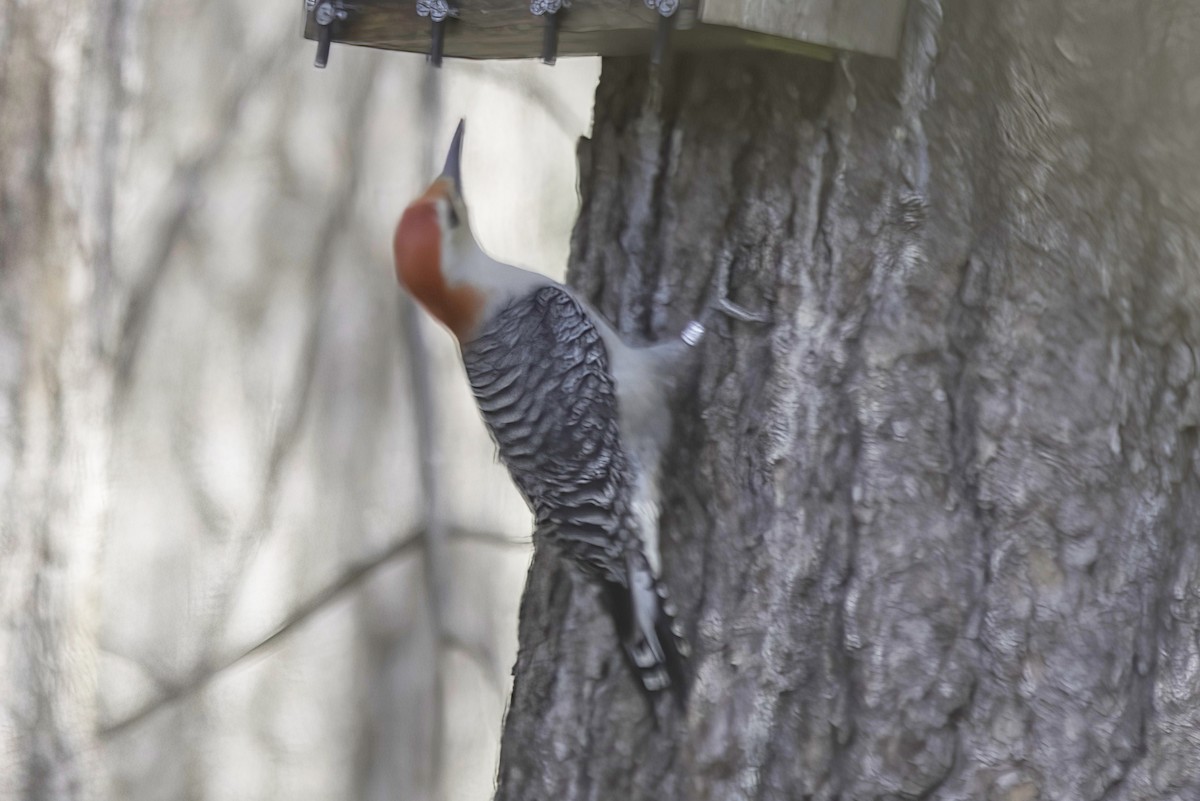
<point>485,29</point>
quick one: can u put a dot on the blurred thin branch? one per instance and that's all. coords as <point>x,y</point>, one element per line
<point>351,578</point>
<point>481,656</point>
<point>436,559</point>
<point>490,540</point>
<point>180,198</point>
<point>426,421</point>
<point>287,432</point>
<point>213,517</point>
<point>155,674</point>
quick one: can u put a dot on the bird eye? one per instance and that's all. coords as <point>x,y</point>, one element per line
<point>451,215</point>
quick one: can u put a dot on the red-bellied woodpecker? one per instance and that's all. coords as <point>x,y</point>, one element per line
<point>580,417</point>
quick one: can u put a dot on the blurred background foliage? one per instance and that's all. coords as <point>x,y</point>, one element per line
<point>283,419</point>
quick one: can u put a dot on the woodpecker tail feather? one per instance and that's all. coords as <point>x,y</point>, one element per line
<point>646,625</point>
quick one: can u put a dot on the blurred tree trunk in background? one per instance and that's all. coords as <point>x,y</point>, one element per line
<point>218,573</point>
<point>60,103</point>
<point>933,529</point>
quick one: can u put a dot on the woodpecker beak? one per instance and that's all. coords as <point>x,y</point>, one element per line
<point>454,158</point>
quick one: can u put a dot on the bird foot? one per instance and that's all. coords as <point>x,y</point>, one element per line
<point>740,313</point>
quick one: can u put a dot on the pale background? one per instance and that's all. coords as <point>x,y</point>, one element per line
<point>270,414</point>
<point>968,439</point>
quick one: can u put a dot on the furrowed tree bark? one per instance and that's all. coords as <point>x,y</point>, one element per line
<point>932,528</point>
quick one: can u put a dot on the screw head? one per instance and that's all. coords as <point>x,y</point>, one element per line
<point>326,13</point>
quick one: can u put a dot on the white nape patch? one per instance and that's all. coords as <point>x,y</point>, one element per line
<point>466,262</point>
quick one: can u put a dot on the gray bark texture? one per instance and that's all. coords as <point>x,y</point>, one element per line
<point>60,98</point>
<point>931,529</point>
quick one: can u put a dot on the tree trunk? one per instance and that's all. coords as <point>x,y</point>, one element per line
<point>60,100</point>
<point>931,529</point>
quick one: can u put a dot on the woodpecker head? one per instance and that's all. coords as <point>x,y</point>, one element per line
<point>432,242</point>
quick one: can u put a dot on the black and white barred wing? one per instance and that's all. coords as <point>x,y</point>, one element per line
<point>541,375</point>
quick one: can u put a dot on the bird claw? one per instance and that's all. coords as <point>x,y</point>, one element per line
<point>730,309</point>
<point>741,313</point>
